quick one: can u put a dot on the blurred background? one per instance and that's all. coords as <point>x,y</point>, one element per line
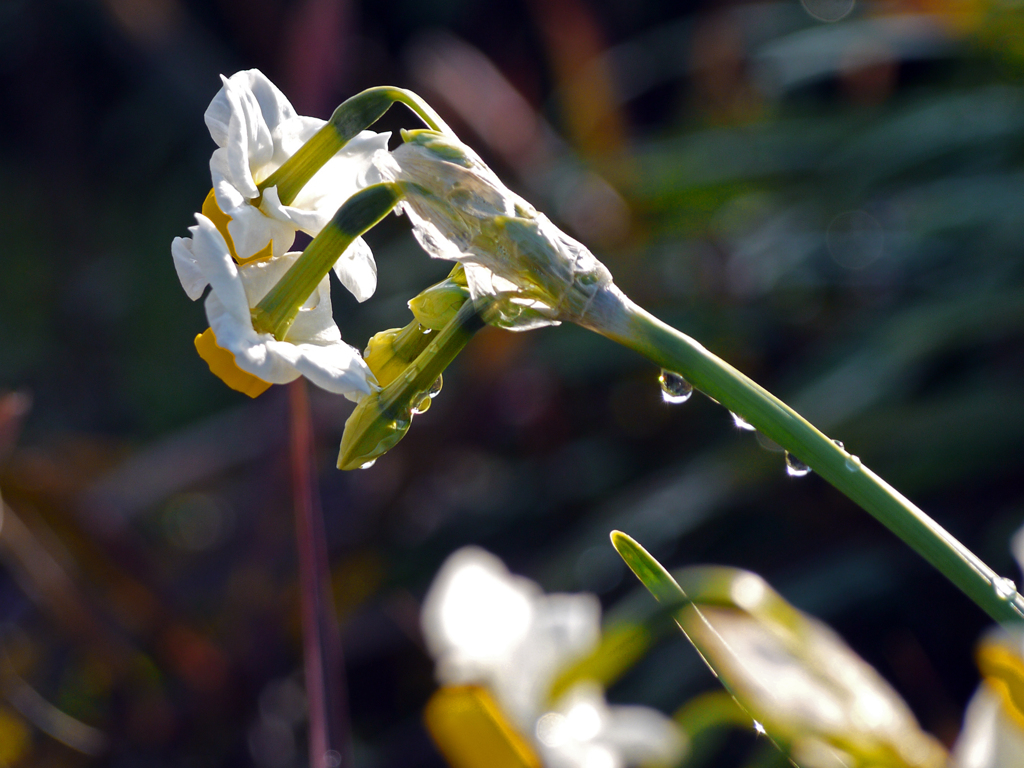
<point>826,193</point>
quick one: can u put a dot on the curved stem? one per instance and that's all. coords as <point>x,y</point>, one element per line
<point>613,315</point>
<point>352,116</point>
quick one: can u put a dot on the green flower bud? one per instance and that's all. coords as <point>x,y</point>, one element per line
<point>370,432</point>
<point>436,306</point>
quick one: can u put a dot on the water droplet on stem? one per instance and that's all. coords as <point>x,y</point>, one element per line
<point>795,467</point>
<point>1005,588</point>
<point>674,388</point>
<point>435,388</point>
<point>852,462</point>
<point>741,423</point>
<point>368,464</point>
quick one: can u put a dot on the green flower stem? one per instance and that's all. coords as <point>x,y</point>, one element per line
<point>352,116</point>
<point>278,309</point>
<point>382,419</point>
<point>613,315</point>
<point>409,388</point>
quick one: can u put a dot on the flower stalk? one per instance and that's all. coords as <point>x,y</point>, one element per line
<point>382,419</point>
<point>351,117</point>
<point>279,308</point>
<point>613,315</point>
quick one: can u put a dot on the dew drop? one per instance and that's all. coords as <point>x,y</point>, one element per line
<point>368,464</point>
<point>852,462</point>
<point>795,467</point>
<point>674,388</point>
<point>741,423</point>
<point>435,388</point>
<point>1005,588</point>
<point>421,406</point>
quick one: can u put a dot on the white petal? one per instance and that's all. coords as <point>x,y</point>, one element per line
<point>335,367</point>
<point>350,170</point>
<point>315,321</point>
<point>564,628</point>
<point>988,739</point>
<point>214,261</point>
<point>474,615</point>
<point>641,735</point>
<point>274,106</point>
<point>243,140</point>
<point>252,351</point>
<point>310,221</point>
<point>357,270</point>
<point>251,230</point>
<point>192,278</point>
<point>291,134</point>
<point>218,116</point>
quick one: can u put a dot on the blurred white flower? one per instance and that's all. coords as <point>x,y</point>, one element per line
<point>486,627</point>
<point>582,731</point>
<point>312,346</point>
<point>256,130</point>
<point>991,737</point>
<point>993,731</point>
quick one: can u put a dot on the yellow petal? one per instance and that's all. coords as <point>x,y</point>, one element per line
<point>1003,669</point>
<point>220,220</point>
<point>15,738</point>
<point>223,366</point>
<point>471,731</point>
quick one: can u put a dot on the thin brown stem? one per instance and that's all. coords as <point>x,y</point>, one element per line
<point>329,743</point>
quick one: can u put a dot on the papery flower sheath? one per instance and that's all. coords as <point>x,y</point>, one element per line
<point>486,627</point>
<point>312,346</point>
<point>256,130</point>
<point>461,211</point>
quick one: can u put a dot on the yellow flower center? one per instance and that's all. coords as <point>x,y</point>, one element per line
<point>220,220</point>
<point>1004,671</point>
<point>223,366</point>
<point>471,731</point>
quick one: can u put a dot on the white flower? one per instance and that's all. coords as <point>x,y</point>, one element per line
<point>993,731</point>
<point>312,346</point>
<point>582,731</point>
<point>991,737</point>
<point>487,627</point>
<point>256,130</point>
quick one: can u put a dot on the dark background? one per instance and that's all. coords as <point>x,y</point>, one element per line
<point>834,208</point>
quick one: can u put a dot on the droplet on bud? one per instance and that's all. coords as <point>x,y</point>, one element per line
<point>368,464</point>
<point>421,406</point>
<point>741,423</point>
<point>795,467</point>
<point>674,388</point>
<point>435,388</point>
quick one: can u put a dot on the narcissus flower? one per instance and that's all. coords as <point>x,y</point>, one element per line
<point>256,130</point>
<point>492,631</point>
<point>993,730</point>
<point>251,361</point>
